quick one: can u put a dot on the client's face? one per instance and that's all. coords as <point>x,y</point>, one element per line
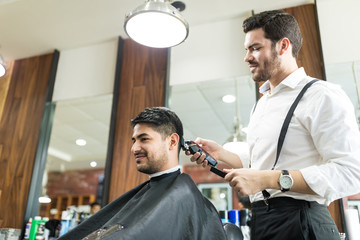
<point>149,149</point>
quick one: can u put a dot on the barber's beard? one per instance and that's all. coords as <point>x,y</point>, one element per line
<point>270,65</point>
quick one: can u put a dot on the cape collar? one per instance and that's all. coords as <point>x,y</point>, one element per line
<point>165,175</point>
<point>174,169</point>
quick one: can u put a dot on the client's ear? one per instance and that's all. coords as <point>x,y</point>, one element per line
<point>174,140</point>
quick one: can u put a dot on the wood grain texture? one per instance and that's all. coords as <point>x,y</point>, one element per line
<point>310,53</point>
<point>19,132</point>
<point>142,84</point>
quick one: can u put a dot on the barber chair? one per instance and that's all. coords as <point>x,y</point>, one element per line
<point>232,231</point>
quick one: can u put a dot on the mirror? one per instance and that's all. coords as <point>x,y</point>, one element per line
<point>83,94</point>
<point>203,112</point>
<point>76,157</point>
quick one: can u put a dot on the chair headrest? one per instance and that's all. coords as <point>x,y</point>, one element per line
<point>232,231</point>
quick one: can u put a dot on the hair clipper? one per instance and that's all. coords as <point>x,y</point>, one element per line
<point>193,148</point>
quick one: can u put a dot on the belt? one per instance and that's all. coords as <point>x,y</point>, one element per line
<point>281,202</point>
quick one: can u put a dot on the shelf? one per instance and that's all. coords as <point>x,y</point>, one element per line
<point>61,203</point>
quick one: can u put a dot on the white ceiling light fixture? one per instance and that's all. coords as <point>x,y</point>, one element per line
<point>80,142</point>
<point>157,23</point>
<point>228,98</point>
<point>93,164</point>
<point>44,199</point>
<point>2,67</point>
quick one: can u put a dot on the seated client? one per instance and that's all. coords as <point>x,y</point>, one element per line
<point>169,205</point>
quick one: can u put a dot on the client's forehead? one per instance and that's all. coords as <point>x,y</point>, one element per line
<point>141,129</point>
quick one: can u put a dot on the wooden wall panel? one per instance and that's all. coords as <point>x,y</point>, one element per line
<point>310,55</point>
<point>19,132</point>
<point>142,84</point>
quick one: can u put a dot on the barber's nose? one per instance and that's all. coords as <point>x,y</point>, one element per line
<point>248,57</point>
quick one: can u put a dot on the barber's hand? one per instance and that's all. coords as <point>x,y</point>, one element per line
<point>210,147</point>
<point>246,181</point>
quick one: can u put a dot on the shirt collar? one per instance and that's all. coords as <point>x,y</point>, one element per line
<point>174,169</point>
<point>290,81</point>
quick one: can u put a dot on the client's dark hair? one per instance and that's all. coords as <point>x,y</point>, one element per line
<point>276,24</point>
<point>94,204</point>
<point>162,119</point>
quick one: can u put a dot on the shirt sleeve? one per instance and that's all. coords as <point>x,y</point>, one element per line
<point>334,130</point>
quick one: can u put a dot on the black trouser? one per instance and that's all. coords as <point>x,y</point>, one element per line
<point>289,219</point>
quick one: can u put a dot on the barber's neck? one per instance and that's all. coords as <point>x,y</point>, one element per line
<point>283,72</point>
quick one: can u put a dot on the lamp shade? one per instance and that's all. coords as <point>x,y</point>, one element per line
<point>237,142</point>
<point>239,148</point>
<point>156,23</point>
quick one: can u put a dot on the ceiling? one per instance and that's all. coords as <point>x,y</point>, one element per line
<point>34,27</point>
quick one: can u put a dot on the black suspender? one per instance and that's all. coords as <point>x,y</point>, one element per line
<point>287,120</point>
<point>284,129</point>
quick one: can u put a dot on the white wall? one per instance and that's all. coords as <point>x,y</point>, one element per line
<point>86,71</point>
<point>215,50</point>
<point>339,23</point>
<point>212,51</point>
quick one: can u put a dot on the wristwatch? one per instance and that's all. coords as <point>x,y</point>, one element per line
<point>285,181</point>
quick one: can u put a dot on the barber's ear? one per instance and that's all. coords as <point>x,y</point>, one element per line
<point>284,45</point>
<point>174,140</point>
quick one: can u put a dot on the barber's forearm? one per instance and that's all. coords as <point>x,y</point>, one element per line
<point>300,186</point>
<point>231,159</point>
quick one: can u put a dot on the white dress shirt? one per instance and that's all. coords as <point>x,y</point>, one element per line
<point>322,141</point>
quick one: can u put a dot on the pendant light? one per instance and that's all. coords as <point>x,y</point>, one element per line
<point>2,67</point>
<point>357,89</point>
<point>156,23</point>
<point>237,142</point>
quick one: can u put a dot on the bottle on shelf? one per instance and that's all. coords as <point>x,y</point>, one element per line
<point>40,233</point>
<point>27,229</point>
<point>224,216</point>
<point>37,230</point>
<point>234,217</point>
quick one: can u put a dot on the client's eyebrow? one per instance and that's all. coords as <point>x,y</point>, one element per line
<point>140,136</point>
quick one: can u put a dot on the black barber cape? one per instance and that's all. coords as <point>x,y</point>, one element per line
<point>169,206</point>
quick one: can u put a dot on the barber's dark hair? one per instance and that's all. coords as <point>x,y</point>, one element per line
<point>163,120</point>
<point>276,24</point>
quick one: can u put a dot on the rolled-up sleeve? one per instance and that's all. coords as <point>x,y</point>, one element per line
<point>335,134</point>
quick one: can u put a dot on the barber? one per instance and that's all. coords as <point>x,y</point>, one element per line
<point>319,160</point>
